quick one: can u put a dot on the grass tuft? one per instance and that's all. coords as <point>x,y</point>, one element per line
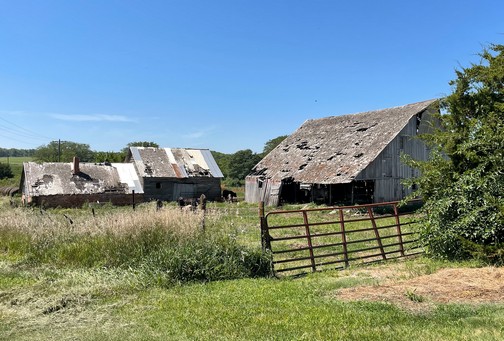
<point>413,296</point>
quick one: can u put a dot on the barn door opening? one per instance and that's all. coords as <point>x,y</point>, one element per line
<point>294,192</point>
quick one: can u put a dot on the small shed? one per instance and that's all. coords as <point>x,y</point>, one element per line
<point>344,159</point>
<point>170,173</point>
<point>59,184</point>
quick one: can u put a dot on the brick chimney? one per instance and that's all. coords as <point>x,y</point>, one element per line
<point>75,166</point>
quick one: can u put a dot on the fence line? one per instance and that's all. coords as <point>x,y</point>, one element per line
<point>336,237</point>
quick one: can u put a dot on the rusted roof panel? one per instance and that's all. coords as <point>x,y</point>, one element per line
<point>174,162</point>
<point>152,162</point>
<point>336,149</point>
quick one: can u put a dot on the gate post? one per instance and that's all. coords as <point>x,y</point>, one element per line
<point>377,234</point>
<point>265,238</point>
<point>343,237</point>
<point>399,232</point>
<point>309,240</point>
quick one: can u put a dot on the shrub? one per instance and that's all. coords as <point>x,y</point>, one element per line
<point>463,183</point>
<point>5,171</point>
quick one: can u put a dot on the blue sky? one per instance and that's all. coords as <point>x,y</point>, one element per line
<point>223,75</point>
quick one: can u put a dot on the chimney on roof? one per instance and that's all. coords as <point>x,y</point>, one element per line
<point>75,166</point>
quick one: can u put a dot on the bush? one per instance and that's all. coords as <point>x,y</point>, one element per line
<point>463,183</point>
<point>5,171</point>
<point>469,209</point>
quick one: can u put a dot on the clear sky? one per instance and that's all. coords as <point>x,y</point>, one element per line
<point>224,75</point>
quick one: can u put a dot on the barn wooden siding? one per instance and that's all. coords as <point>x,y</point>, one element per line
<point>267,191</point>
<point>388,172</point>
<point>170,189</point>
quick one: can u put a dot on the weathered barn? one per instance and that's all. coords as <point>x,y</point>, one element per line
<point>344,159</point>
<point>55,184</point>
<point>170,173</point>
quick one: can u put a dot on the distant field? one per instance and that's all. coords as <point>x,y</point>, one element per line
<point>15,160</point>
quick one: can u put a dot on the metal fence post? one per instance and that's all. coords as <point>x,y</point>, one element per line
<point>399,232</point>
<point>377,234</point>
<point>309,240</point>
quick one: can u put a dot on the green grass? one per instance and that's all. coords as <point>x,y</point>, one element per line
<point>46,303</point>
<point>110,277</point>
<point>15,160</point>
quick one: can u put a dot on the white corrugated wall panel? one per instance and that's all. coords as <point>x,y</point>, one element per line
<point>129,176</point>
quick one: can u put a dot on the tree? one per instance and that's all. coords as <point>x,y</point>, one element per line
<point>222,161</point>
<point>463,182</point>
<point>5,171</point>
<point>109,157</point>
<point>235,167</point>
<point>271,144</point>
<point>63,151</point>
<point>139,144</point>
<point>4,152</point>
<point>241,163</point>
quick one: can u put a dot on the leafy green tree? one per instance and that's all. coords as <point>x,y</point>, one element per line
<point>139,144</point>
<point>222,161</point>
<point>241,162</point>
<point>63,151</point>
<point>271,144</point>
<point>109,157</point>
<point>463,183</point>
<point>235,167</point>
<point>5,171</point>
<point>4,152</point>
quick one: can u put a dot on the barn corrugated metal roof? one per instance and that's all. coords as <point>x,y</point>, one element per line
<point>174,162</point>
<point>204,158</point>
<point>53,178</point>
<point>129,177</point>
<point>336,149</point>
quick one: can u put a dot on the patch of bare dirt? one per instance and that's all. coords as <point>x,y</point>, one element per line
<point>461,285</point>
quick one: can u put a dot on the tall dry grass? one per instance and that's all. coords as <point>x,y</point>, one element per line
<point>39,223</point>
<point>167,246</point>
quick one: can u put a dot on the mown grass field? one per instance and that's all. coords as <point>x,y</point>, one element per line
<point>54,287</point>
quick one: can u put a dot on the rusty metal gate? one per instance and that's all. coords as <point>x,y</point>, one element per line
<point>336,237</point>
